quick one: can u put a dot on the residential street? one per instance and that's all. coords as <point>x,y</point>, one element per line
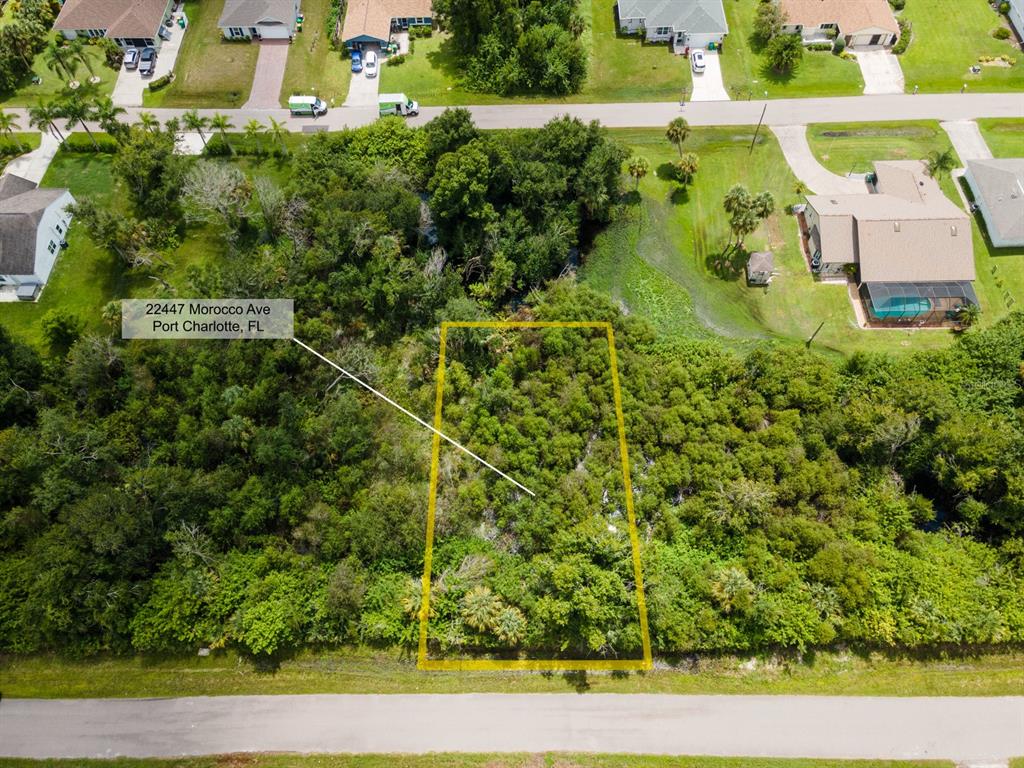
<point>946,107</point>
<point>962,729</point>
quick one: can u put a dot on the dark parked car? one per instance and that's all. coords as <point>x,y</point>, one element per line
<point>147,62</point>
<point>131,58</point>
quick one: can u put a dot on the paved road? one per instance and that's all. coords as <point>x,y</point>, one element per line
<point>818,179</point>
<point>952,106</point>
<point>962,729</point>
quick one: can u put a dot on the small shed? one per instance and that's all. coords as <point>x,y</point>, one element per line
<point>760,268</point>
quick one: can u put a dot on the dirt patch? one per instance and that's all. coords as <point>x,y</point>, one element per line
<point>869,133</point>
<point>239,760</point>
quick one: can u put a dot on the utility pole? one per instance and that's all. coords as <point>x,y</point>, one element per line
<point>758,129</point>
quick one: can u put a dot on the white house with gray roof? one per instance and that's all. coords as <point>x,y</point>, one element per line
<point>259,19</point>
<point>33,227</point>
<point>682,23</point>
<point>998,187</point>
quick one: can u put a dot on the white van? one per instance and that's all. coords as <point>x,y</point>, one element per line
<point>306,105</point>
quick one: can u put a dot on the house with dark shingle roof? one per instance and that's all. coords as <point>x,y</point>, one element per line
<point>683,23</point>
<point>129,23</point>
<point>33,226</point>
<point>998,187</point>
<point>259,19</point>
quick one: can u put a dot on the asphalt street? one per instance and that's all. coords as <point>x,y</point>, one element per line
<point>976,730</point>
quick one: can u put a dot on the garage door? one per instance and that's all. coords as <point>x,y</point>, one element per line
<point>274,32</point>
<point>702,41</point>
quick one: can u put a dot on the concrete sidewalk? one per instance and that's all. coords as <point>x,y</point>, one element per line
<point>968,729</point>
<point>817,178</point>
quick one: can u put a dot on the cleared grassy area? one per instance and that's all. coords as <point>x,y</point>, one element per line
<point>549,760</point>
<point>368,671</point>
<point>210,71</point>
<point>744,70</point>
<point>28,94</point>
<point>1005,137</point>
<point>17,145</point>
<point>619,69</point>
<point>949,36</point>
<point>1000,271</point>
<point>314,67</point>
<point>673,240</point>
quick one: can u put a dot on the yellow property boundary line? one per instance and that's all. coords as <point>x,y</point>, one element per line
<point>556,665</point>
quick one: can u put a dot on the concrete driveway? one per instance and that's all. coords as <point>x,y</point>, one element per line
<point>266,83</point>
<point>708,86</point>
<point>967,140</point>
<point>363,90</point>
<point>817,178</point>
<point>881,72</point>
<point>33,165</point>
<point>130,86</point>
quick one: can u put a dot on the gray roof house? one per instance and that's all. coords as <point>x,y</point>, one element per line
<point>683,23</point>
<point>998,187</point>
<point>33,226</point>
<point>259,19</point>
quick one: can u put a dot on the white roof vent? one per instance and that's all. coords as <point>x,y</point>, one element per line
<point>895,226</point>
<point>952,230</point>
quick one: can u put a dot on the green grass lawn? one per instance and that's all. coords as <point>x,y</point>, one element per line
<point>949,36</point>
<point>1004,136</point>
<point>210,70</point>
<point>28,93</point>
<point>369,671</point>
<point>17,144</point>
<point>314,67</point>
<point>744,71</point>
<point>663,260</point>
<point>619,69</point>
<point>842,148</point>
<point>453,760</point>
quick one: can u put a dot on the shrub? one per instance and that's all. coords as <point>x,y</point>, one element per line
<point>162,82</point>
<point>906,35</point>
<point>819,47</point>
<point>398,58</point>
<point>420,31</point>
<point>898,5</point>
<point>838,46</point>
<point>80,142</point>
<point>1001,33</point>
<point>1004,7</point>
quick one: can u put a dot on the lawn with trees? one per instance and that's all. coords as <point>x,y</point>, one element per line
<point>159,497</point>
<point>316,65</point>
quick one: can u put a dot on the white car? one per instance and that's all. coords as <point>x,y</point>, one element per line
<point>370,64</point>
<point>697,60</point>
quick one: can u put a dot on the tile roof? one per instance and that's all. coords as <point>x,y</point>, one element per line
<point>250,13</point>
<point>20,214</point>
<point>372,18</point>
<point>1000,185</point>
<point>693,16</point>
<point>852,16</point>
<point>121,18</point>
<point>907,232</point>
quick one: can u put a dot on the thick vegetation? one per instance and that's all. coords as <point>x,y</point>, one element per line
<point>161,496</point>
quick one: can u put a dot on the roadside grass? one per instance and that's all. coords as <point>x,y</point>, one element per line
<point>842,148</point>
<point>620,69</point>
<point>314,66</point>
<point>17,145</point>
<point>948,38</point>
<point>28,94</point>
<point>1004,136</point>
<point>87,277</point>
<point>394,671</point>
<point>210,70</point>
<point>673,239</point>
<point>745,73</point>
<point>458,760</point>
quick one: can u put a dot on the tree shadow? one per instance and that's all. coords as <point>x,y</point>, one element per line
<point>632,197</point>
<point>680,195</point>
<point>728,265</point>
<point>578,680</point>
<point>448,60</point>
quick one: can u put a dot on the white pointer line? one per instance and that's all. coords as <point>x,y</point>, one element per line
<point>412,415</point>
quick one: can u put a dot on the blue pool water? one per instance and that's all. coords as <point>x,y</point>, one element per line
<point>901,306</point>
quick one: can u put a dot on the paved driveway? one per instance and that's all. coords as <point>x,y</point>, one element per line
<point>881,72</point>
<point>363,90</point>
<point>33,165</point>
<point>967,140</point>
<point>266,83</point>
<point>817,178</point>
<point>130,86</point>
<point>708,86</point>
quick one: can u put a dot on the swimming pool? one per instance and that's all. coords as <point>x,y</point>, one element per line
<point>901,306</point>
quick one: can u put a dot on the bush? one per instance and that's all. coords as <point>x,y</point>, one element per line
<point>394,61</point>
<point>162,82</point>
<point>839,46</point>
<point>1004,7</point>
<point>1001,33</point>
<point>898,5</point>
<point>420,31</point>
<point>819,47</point>
<point>906,35</point>
<point>80,142</point>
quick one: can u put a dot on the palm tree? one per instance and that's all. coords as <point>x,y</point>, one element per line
<point>76,110</point>
<point>148,121</point>
<point>677,132</point>
<point>277,131</point>
<point>7,126</point>
<point>968,314</point>
<point>44,118</point>
<point>638,168</point>
<point>194,122</point>
<point>253,129</point>
<point>687,167</point>
<point>106,113</point>
<point>60,60</point>
<point>479,608</point>
<point>222,124</point>
<point>939,163</point>
<point>510,625</point>
<point>76,49</point>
